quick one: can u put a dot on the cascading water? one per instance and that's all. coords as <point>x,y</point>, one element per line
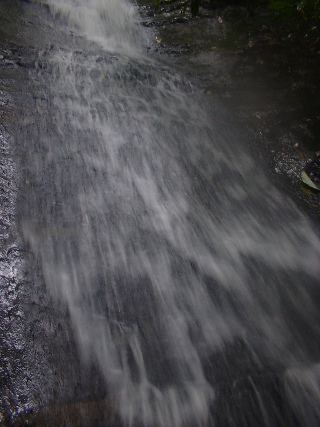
<point>157,233</point>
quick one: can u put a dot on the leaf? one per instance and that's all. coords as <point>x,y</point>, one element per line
<point>306,180</point>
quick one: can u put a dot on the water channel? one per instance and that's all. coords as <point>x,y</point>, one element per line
<point>166,282</point>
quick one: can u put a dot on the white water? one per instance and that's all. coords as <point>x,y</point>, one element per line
<point>112,24</point>
<point>154,228</point>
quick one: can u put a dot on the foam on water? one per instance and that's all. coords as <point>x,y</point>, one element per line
<point>154,228</point>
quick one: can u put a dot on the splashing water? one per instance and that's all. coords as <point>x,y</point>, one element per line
<point>152,231</point>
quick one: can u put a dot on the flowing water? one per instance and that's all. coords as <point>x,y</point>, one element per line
<point>184,272</point>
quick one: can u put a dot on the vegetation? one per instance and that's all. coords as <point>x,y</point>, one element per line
<point>300,19</point>
<point>195,5</point>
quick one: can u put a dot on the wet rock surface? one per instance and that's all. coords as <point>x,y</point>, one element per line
<point>267,90</point>
<point>266,81</point>
<point>31,328</point>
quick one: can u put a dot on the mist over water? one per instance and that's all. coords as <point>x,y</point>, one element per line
<point>158,232</point>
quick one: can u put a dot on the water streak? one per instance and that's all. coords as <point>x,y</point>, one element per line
<point>154,228</point>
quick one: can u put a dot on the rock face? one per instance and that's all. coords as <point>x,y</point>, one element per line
<point>239,253</point>
<point>268,81</point>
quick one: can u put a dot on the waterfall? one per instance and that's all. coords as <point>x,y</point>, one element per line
<point>155,228</point>
<point>109,23</point>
